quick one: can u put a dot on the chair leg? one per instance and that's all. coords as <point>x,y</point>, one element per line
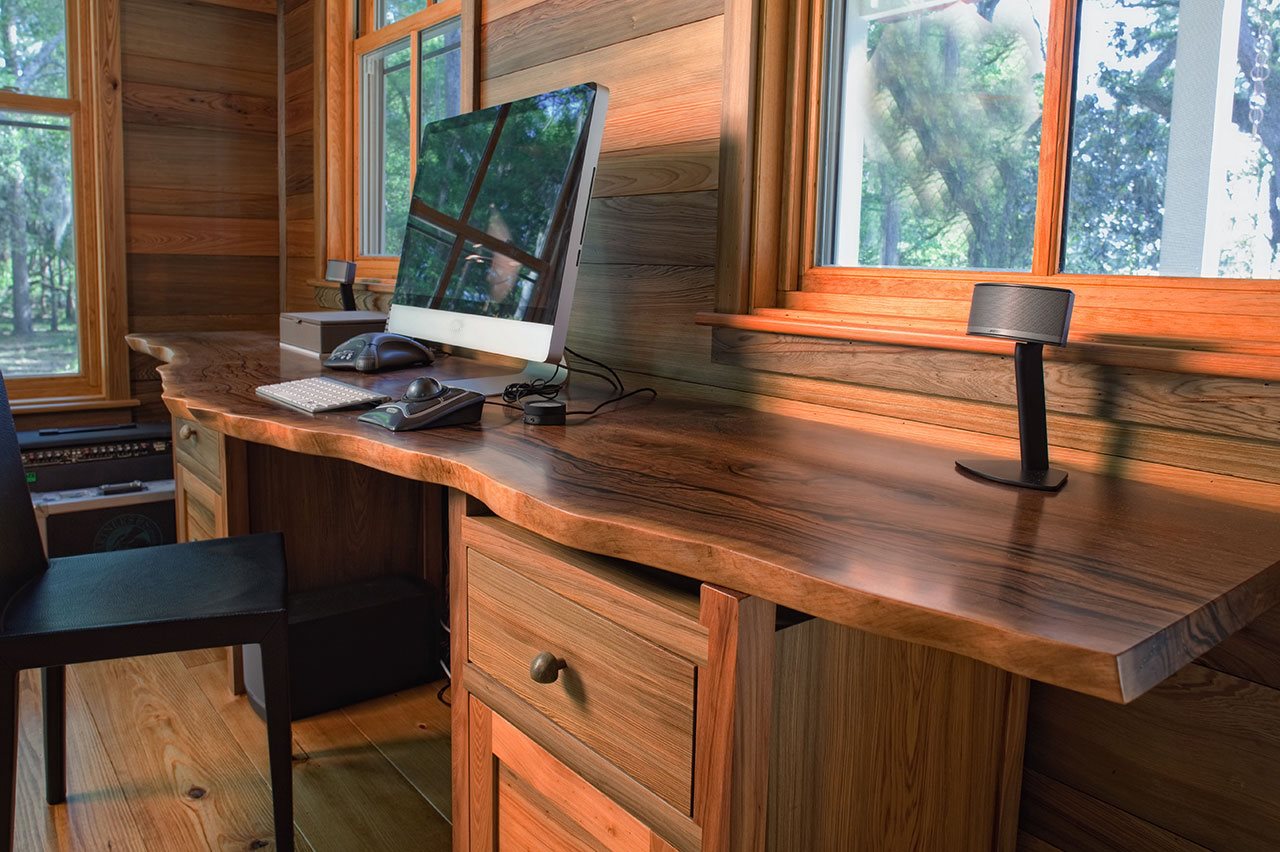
<point>275,677</point>
<point>53,688</point>
<point>8,753</point>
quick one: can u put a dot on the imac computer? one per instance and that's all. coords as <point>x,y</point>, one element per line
<point>495,228</point>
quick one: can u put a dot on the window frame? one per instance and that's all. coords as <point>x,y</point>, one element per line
<point>767,279</point>
<point>93,107</point>
<point>349,36</point>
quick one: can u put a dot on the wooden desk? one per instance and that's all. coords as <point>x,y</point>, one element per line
<point>1106,588</point>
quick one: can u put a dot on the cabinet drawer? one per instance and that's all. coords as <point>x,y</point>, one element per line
<point>199,449</point>
<point>199,508</point>
<point>625,697</point>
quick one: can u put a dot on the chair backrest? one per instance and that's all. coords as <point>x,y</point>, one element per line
<point>21,554</point>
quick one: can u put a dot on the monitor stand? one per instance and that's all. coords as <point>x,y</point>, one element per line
<point>496,384</point>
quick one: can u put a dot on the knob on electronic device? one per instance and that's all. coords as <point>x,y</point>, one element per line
<point>1032,316</point>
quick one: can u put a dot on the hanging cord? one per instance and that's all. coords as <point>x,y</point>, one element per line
<point>550,388</point>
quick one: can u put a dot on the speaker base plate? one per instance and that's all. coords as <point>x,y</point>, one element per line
<point>1012,473</point>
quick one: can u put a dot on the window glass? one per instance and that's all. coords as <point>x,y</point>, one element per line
<point>932,133</point>
<point>1174,140</point>
<point>440,92</point>
<point>33,47</point>
<point>390,11</point>
<point>385,167</point>
<point>38,294</point>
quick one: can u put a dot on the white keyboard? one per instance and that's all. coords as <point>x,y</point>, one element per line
<point>320,394</point>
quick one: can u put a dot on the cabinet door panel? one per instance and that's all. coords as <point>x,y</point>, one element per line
<point>532,801</point>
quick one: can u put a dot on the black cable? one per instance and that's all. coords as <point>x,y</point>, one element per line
<point>549,388</point>
<point>617,379</point>
<point>440,695</point>
<point>614,399</point>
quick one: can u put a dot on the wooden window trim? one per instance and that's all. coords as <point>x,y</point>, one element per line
<point>766,280</point>
<point>343,49</point>
<point>94,106</point>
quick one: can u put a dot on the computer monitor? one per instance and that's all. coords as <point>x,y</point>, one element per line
<point>496,221</point>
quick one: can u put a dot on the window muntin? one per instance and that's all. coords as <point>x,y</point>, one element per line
<point>385,81</point>
<point>931,138</point>
<point>1168,173</point>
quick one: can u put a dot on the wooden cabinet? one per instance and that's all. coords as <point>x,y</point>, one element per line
<point>523,798</point>
<point>691,717</point>
<point>204,481</point>
<point>597,699</point>
<point>209,499</point>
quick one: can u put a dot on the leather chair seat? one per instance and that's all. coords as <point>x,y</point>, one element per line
<point>178,583</point>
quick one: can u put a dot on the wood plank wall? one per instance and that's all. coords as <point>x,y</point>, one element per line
<point>1191,766</point>
<point>202,223</point>
<point>302,126</point>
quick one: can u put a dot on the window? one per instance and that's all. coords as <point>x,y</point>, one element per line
<point>933,122</point>
<point>405,71</point>
<point>1125,149</point>
<point>57,337</point>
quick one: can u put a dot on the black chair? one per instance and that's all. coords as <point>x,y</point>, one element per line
<point>128,603</point>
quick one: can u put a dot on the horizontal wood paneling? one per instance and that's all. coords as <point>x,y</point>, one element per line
<point>512,40</point>
<point>181,201</point>
<point>199,93</point>
<point>677,229</point>
<point>162,71</point>
<point>212,160</point>
<point>199,32</point>
<point>1073,822</point>
<point>148,234</point>
<point>688,167</point>
<point>201,285</point>
<point>303,132</point>
<point>1252,654</point>
<point>147,103</point>
<point>664,88</point>
<point>1198,756</point>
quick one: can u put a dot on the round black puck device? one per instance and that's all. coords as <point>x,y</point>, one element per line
<point>544,412</point>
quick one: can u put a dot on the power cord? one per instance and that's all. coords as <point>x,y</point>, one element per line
<point>550,388</point>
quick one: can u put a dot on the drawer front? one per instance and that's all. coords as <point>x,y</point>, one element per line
<point>199,449</point>
<point>199,507</point>
<point>628,699</point>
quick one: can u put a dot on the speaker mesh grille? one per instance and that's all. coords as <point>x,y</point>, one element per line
<point>1018,312</point>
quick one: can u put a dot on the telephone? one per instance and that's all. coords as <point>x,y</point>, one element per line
<point>375,351</point>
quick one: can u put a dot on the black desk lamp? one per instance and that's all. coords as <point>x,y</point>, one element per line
<point>343,273</point>
<point>1033,316</point>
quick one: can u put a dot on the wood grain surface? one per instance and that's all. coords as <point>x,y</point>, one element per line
<point>626,698</point>
<point>1106,588</point>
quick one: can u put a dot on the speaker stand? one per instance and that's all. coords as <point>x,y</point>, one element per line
<point>1033,432</point>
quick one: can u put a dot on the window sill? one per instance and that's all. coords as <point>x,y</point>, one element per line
<point>59,404</point>
<point>1198,357</point>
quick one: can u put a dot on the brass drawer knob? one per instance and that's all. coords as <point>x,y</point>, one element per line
<point>186,433</point>
<point>546,667</point>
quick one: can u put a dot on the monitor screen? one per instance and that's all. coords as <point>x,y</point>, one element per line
<point>492,208</point>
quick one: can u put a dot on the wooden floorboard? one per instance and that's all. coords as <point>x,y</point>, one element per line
<point>161,755</point>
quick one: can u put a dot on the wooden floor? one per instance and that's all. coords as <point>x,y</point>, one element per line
<point>162,756</point>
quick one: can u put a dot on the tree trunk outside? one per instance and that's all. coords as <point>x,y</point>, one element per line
<point>18,257</point>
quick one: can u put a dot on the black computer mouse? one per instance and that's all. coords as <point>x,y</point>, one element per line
<point>424,388</point>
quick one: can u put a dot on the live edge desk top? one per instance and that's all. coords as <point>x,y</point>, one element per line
<point>1107,587</point>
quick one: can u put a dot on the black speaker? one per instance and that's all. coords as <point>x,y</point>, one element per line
<point>353,642</point>
<point>1032,316</point>
<point>1021,312</point>
<point>343,273</point>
